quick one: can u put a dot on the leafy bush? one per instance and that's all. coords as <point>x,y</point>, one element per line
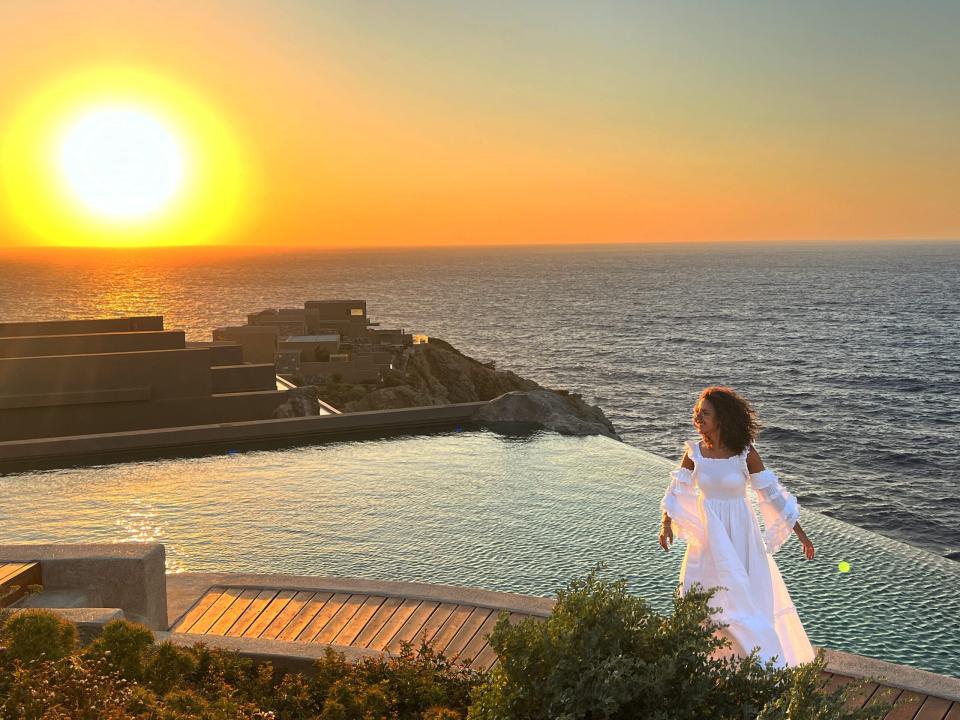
<point>606,654</point>
<point>122,646</point>
<point>33,635</point>
<point>601,654</point>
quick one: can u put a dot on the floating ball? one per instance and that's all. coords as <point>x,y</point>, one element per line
<point>843,566</point>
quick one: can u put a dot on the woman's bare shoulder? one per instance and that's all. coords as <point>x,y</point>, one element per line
<point>754,462</point>
<point>686,462</point>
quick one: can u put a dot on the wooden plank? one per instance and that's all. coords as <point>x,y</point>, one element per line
<point>353,628</point>
<point>883,694</point>
<point>252,612</point>
<point>859,699</point>
<point>436,620</point>
<point>269,613</point>
<point>304,616</point>
<point>330,609</point>
<point>214,612</point>
<point>375,624</point>
<point>199,608</point>
<point>933,708</point>
<point>484,659</point>
<point>339,621</point>
<point>9,570</point>
<point>466,632</point>
<point>909,702</point>
<point>835,681</point>
<point>954,712</point>
<point>479,640</point>
<point>20,576</point>
<point>290,610</point>
<point>396,621</point>
<point>411,628</point>
<point>233,613</point>
<point>451,627</point>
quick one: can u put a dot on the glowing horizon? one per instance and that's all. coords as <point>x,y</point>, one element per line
<point>303,125</point>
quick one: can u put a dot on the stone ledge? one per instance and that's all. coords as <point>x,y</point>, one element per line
<point>900,676</point>
<point>130,576</point>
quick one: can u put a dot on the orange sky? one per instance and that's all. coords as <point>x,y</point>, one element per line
<point>423,124</point>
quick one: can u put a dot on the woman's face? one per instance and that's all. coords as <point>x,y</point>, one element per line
<point>705,418</point>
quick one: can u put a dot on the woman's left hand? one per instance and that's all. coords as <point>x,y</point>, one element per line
<point>808,550</point>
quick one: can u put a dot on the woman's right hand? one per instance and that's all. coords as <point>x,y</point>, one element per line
<point>666,537</point>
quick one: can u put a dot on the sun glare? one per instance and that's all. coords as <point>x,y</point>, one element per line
<point>123,157</point>
<point>121,162</point>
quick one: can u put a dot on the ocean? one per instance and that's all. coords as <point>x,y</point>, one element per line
<point>850,353</point>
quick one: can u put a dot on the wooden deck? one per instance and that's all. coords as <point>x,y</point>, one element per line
<point>374,622</point>
<point>20,574</point>
<point>916,706</point>
<point>374,619</point>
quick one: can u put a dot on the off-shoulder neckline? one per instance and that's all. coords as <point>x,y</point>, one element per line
<point>696,444</point>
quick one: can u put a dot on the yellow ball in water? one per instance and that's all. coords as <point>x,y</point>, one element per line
<point>844,566</point>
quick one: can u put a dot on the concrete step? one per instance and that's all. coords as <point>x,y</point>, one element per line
<point>62,598</point>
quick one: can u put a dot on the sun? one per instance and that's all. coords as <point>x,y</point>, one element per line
<point>124,157</point>
<point>121,162</point>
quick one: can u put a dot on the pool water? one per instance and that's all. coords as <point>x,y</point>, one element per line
<point>514,513</point>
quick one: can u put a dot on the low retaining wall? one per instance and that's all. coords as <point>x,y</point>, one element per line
<point>19,455</point>
<point>128,576</point>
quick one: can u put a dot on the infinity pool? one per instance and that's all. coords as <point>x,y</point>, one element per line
<point>522,514</point>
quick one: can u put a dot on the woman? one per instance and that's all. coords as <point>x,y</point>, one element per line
<point>706,505</point>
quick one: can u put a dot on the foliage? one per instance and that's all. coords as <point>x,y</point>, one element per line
<point>601,654</point>
<point>606,654</point>
<point>124,674</point>
<point>122,646</point>
<point>33,635</point>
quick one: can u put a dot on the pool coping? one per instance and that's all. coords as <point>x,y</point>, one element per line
<point>51,452</point>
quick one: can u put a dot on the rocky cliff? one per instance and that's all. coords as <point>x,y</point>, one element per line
<point>437,374</point>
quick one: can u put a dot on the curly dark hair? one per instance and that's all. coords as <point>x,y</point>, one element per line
<point>736,417</point>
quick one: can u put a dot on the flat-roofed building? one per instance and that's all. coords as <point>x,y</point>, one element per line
<point>347,317</point>
<point>84,377</point>
<point>288,321</point>
<point>259,342</point>
<point>312,347</point>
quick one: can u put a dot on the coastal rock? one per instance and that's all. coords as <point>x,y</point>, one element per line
<point>390,399</point>
<point>565,413</point>
<point>301,402</point>
<point>439,374</point>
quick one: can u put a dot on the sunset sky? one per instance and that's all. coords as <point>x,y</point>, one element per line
<point>296,122</point>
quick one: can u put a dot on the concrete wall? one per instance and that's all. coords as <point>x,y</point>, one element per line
<point>90,343</point>
<point>116,417</point>
<point>168,373</point>
<point>77,327</point>
<point>60,451</point>
<point>259,342</point>
<point>243,378</point>
<point>308,350</point>
<point>222,352</point>
<point>129,576</point>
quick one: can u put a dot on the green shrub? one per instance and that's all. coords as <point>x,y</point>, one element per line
<point>412,683</point>
<point>122,645</point>
<point>606,654</point>
<point>74,688</point>
<point>33,635</point>
<point>167,667</point>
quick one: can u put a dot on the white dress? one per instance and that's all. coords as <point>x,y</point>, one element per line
<point>710,511</point>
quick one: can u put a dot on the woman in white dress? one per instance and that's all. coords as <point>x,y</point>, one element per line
<point>706,505</point>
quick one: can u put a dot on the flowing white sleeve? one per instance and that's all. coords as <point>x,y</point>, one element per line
<point>680,502</point>
<point>778,508</point>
